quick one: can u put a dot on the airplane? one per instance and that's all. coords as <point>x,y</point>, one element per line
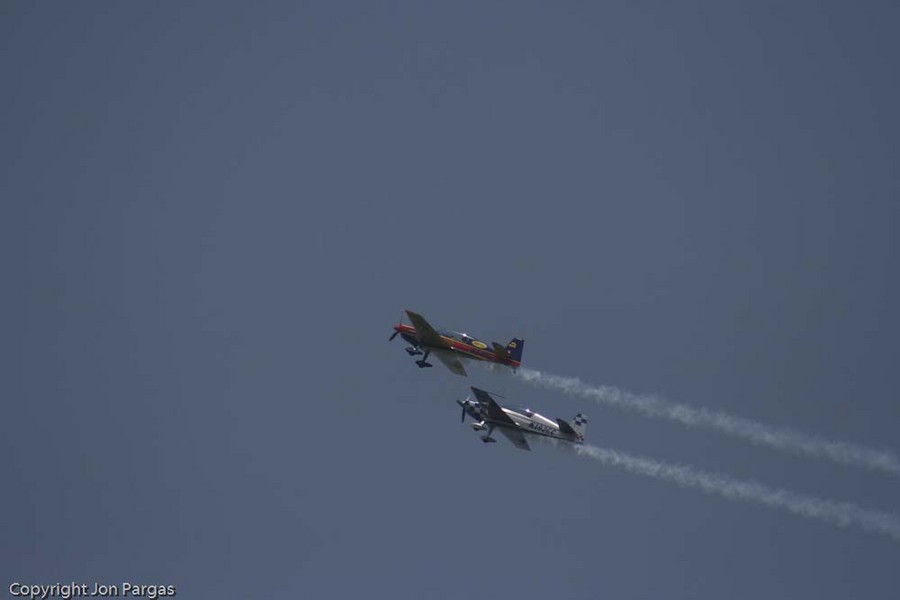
<point>515,422</point>
<point>452,347</point>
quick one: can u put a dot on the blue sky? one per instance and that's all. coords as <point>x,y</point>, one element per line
<point>215,213</point>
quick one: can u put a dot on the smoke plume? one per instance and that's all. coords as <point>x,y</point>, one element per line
<point>739,427</point>
<point>842,514</point>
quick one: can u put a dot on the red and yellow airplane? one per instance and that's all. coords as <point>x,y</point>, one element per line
<point>452,347</point>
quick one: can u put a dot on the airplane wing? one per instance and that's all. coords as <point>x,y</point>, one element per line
<point>516,437</point>
<point>428,335</point>
<point>501,352</point>
<point>494,412</point>
<point>451,362</point>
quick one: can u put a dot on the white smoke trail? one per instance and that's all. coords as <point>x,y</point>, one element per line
<point>758,433</point>
<point>842,514</point>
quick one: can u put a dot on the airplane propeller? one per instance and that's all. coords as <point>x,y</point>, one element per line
<point>465,404</point>
<point>396,331</point>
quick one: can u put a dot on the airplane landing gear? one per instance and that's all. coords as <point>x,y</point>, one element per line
<point>424,362</point>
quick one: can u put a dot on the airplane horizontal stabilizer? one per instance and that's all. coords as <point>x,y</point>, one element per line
<point>565,428</point>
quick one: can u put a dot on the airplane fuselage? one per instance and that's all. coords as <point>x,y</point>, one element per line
<point>457,343</point>
<point>526,421</point>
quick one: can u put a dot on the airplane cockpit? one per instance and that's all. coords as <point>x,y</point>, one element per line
<point>463,337</point>
<point>522,410</point>
<point>472,341</point>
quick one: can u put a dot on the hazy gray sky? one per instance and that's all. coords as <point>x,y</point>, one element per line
<point>213,213</point>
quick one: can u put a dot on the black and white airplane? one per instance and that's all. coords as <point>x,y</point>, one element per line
<point>515,422</point>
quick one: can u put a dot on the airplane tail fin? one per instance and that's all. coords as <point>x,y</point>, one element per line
<point>579,424</point>
<point>515,348</point>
